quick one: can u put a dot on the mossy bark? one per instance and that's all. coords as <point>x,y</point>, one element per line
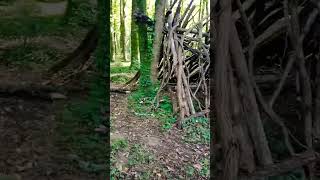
<point>145,62</point>
<point>134,38</point>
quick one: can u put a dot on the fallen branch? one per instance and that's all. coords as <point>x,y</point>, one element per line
<point>285,166</point>
<point>31,91</point>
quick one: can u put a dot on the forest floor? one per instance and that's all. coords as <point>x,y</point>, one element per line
<point>41,139</point>
<point>28,138</point>
<point>141,148</point>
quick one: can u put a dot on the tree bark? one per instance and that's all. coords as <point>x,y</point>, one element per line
<point>145,62</point>
<point>230,151</point>
<point>157,43</point>
<point>254,122</point>
<point>134,37</point>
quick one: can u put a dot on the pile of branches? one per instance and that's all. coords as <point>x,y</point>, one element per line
<point>244,112</point>
<point>185,60</point>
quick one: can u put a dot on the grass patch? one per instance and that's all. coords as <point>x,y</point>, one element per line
<point>118,68</point>
<point>120,78</point>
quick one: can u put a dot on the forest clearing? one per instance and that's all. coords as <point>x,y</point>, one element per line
<point>150,137</point>
<point>46,127</point>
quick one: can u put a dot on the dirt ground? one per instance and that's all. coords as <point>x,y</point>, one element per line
<point>172,155</point>
<point>28,139</point>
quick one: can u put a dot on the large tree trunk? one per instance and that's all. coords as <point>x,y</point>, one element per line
<point>157,43</point>
<point>145,62</point>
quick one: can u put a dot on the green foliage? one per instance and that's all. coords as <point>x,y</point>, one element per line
<point>6,2</point>
<point>141,102</point>
<point>77,137</point>
<point>83,13</point>
<point>118,68</point>
<point>119,79</point>
<point>137,156</point>
<point>197,130</point>
<point>30,26</point>
<point>190,171</point>
<point>118,145</point>
<point>29,56</point>
<point>205,170</point>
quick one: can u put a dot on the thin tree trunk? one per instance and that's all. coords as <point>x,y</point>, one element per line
<point>122,30</point>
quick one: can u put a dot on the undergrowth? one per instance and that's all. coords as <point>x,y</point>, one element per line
<point>142,101</point>
<point>83,16</point>
<point>137,157</point>
<point>29,56</point>
<point>76,129</point>
<point>197,130</point>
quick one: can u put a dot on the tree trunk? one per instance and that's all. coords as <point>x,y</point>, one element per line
<point>134,37</point>
<point>115,40</point>
<point>145,62</point>
<point>230,153</point>
<point>122,30</point>
<point>157,43</point>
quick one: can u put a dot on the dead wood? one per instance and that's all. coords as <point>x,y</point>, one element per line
<point>285,166</point>
<point>134,79</point>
